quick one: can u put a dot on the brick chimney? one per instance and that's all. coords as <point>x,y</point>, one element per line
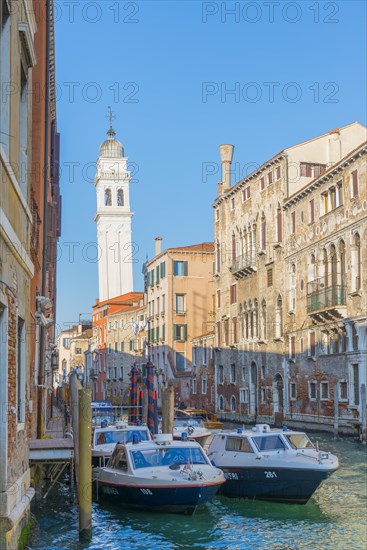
<point>158,245</point>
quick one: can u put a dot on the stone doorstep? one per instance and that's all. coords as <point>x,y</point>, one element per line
<point>15,495</point>
<point>11,522</point>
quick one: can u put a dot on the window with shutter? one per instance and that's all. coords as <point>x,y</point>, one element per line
<point>354,183</point>
<point>312,210</point>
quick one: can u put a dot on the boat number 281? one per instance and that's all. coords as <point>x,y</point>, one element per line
<point>270,475</point>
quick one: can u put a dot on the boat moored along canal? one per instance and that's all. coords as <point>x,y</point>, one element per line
<point>269,464</point>
<point>161,475</point>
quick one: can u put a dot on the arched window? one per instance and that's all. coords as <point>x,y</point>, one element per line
<point>342,263</point>
<point>263,232</point>
<point>233,404</point>
<point>221,403</point>
<point>357,262</point>
<point>263,320</point>
<point>279,225</point>
<point>246,323</point>
<point>312,269</point>
<point>334,266</point>
<point>325,267</point>
<point>120,197</point>
<point>107,197</point>
<point>256,319</point>
<point>279,318</point>
<point>292,287</point>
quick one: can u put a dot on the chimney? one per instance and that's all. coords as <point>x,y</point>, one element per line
<point>226,155</point>
<point>158,245</point>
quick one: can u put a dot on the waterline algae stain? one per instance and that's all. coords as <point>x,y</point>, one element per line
<point>333,519</point>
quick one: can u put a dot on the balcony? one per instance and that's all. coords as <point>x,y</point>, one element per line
<point>326,303</point>
<point>243,266</point>
<point>93,373</point>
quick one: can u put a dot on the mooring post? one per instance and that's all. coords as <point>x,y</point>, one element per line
<point>74,410</point>
<point>170,407</point>
<point>363,414</point>
<point>336,411</point>
<point>85,465</point>
<point>145,406</point>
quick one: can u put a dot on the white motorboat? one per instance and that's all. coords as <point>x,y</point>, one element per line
<point>269,464</point>
<point>192,428</point>
<point>162,475</point>
<point>105,439</point>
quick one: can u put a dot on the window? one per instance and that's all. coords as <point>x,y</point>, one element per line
<point>120,197</point>
<point>263,372</point>
<point>66,343</point>
<point>217,214</point>
<point>292,351</point>
<point>233,374</point>
<point>220,374</point>
<point>180,332</point>
<point>293,222</point>
<point>78,351</point>
<point>246,194</point>
<point>158,309</point>
<point>234,330</point>
<point>107,197</point>
<point>262,183</point>
<point>157,271</point>
<point>194,385</point>
<point>263,232</point>
<point>203,386</point>
<point>21,366</point>
<point>312,349</point>
<point>221,403</point>
<point>218,298</point>
<point>279,318</point>
<point>219,336</point>
<point>312,390</point>
<point>180,361</point>
<point>278,172</point>
<point>4,74</point>
<point>243,373</point>
<point>270,178</point>
<point>354,186</point>
<point>238,444</point>
<point>312,170</point>
<point>218,258</point>
<point>243,395</point>
<point>226,332</point>
<point>233,404</point>
<point>122,347</point>
<point>233,293</point>
<point>179,268</point>
<point>232,203</point>
<point>354,346</point>
<point>163,303</point>
<point>293,391</point>
<point>23,130</point>
<point>269,275</point>
<point>180,304</point>
<point>269,443</point>
<point>233,247</point>
<point>312,210</point>
<point>263,395</point>
<point>324,390</point>
<point>163,270</point>
<point>356,263</point>
<point>279,225</point>
<point>343,391</point>
<point>301,345</point>
<point>355,385</point>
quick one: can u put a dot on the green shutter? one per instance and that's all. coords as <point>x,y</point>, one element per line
<point>163,270</point>
<point>185,332</point>
<point>175,332</point>
<point>152,278</point>
<point>164,332</point>
<point>185,269</point>
<point>157,334</point>
<point>157,273</point>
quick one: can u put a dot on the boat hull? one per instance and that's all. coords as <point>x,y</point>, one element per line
<point>179,499</point>
<point>272,484</point>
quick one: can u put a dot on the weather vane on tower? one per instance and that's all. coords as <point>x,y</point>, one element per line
<point>110,116</point>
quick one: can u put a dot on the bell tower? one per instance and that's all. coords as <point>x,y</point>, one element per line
<point>113,218</point>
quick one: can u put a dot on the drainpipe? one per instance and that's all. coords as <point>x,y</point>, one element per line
<point>40,420</point>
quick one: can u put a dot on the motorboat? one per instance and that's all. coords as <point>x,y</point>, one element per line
<point>210,420</point>
<point>105,439</point>
<point>192,428</point>
<point>161,475</point>
<point>270,464</point>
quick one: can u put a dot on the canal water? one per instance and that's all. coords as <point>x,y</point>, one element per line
<point>335,518</point>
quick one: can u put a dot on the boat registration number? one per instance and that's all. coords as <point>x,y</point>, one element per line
<point>230,475</point>
<point>110,491</point>
<point>270,475</point>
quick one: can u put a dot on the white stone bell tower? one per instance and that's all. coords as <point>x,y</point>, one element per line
<point>113,220</point>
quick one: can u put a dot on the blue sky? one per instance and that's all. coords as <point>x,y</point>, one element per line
<point>296,70</point>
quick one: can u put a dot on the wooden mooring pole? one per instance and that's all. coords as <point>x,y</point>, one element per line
<point>336,411</point>
<point>363,414</point>
<point>85,465</point>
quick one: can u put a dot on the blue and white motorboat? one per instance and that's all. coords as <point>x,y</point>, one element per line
<point>192,428</point>
<point>270,464</point>
<point>105,438</point>
<point>161,475</point>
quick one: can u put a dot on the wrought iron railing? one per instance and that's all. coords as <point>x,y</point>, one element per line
<point>243,262</point>
<point>320,297</point>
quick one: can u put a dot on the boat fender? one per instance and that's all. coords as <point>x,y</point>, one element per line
<point>184,436</point>
<point>239,430</point>
<point>285,428</point>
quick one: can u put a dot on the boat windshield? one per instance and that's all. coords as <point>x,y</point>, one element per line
<point>120,436</point>
<point>186,422</point>
<point>166,456</point>
<point>269,443</point>
<point>299,441</point>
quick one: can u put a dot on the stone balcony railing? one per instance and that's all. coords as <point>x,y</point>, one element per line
<point>244,265</point>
